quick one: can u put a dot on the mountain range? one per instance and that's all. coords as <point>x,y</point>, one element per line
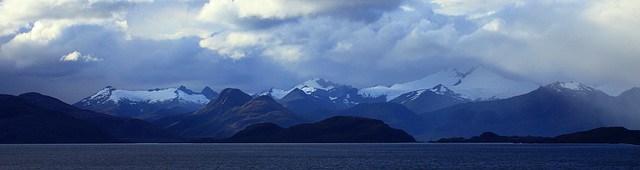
<point>445,88</point>
<point>448,103</point>
<point>37,118</point>
<point>436,91</point>
<point>439,90</point>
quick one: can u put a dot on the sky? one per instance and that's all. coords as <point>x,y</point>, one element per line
<point>70,49</point>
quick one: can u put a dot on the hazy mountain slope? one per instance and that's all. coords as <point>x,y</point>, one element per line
<point>552,110</point>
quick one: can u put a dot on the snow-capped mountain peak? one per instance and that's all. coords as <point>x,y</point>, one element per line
<point>104,93</point>
<point>312,85</point>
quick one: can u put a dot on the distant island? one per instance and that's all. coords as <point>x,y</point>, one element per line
<point>338,129</point>
<point>612,135</point>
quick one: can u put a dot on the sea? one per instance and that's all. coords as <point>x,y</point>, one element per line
<point>319,156</point>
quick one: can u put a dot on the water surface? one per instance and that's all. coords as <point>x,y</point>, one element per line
<point>319,156</point>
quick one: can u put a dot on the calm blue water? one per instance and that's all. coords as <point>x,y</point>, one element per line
<point>320,156</point>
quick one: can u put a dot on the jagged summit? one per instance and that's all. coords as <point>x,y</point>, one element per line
<point>184,89</point>
<point>102,95</point>
<point>208,93</point>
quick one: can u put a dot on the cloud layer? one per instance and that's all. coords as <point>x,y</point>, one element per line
<point>77,45</point>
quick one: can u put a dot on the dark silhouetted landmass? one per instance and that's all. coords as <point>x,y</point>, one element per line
<point>490,137</point>
<point>601,135</point>
<point>339,129</point>
<point>394,114</point>
<point>129,129</point>
<point>24,122</point>
<point>598,135</point>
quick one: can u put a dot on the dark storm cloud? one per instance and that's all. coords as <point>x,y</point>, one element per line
<point>255,45</point>
<point>133,64</point>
